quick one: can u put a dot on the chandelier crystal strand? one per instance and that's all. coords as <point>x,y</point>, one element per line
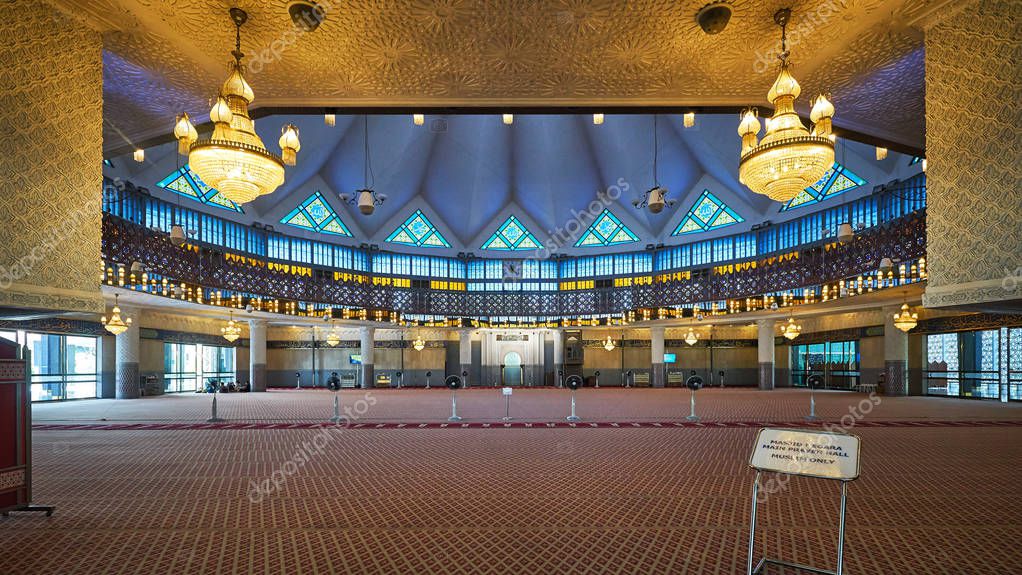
<point>789,158</point>
<point>234,159</point>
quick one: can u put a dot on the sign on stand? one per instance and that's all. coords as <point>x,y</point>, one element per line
<point>506,392</point>
<point>817,454</point>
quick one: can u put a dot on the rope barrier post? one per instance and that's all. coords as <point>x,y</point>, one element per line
<point>213,416</point>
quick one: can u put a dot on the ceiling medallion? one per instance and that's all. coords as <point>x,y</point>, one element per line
<point>231,331</point>
<point>789,158</point>
<point>791,330</point>
<point>234,160</point>
<point>115,324</point>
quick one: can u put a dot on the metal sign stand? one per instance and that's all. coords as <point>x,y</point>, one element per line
<point>507,407</point>
<point>766,561</point>
<point>454,407</point>
<point>573,417</point>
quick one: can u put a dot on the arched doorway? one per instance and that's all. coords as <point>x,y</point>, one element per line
<point>512,368</point>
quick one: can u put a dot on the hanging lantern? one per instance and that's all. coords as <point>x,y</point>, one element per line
<point>881,153</point>
<point>289,144</point>
<point>330,120</point>
<point>689,119</point>
<point>185,133</point>
<point>115,324</point>
<point>597,119</point>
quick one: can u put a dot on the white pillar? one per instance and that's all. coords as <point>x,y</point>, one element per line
<point>895,355</point>
<point>128,353</point>
<point>766,353</point>
<point>257,354</point>
<point>558,338</point>
<point>465,354</point>
<point>656,344</point>
<point>367,342</point>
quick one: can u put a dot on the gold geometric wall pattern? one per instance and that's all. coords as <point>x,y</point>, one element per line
<point>491,52</point>
<point>50,118</point>
<point>974,202</point>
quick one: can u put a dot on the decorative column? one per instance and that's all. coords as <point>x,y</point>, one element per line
<point>766,353</point>
<point>366,350</point>
<point>656,343</point>
<point>558,337</point>
<point>128,353</point>
<point>465,352</point>
<point>257,354</point>
<point>895,355</point>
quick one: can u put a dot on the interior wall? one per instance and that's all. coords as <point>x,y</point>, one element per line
<point>972,60</point>
<point>51,118</point>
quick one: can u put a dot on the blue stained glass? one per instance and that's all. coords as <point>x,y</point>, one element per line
<point>418,231</point>
<point>187,183</point>
<point>837,180</point>
<point>606,230</point>
<point>512,235</point>
<point>315,214</point>
<point>707,213</point>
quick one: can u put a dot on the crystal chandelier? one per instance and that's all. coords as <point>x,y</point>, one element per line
<point>906,319</point>
<point>609,344</point>
<point>791,330</point>
<point>115,324</point>
<point>789,158</point>
<point>332,339</point>
<point>234,160</point>
<point>691,337</point>
<point>231,331</point>
<point>418,344</point>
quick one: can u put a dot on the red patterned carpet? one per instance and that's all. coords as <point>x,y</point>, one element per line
<point>520,501</point>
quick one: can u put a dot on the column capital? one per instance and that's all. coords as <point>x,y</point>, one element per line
<point>257,323</point>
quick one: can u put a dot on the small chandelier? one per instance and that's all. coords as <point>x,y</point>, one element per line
<point>115,324</point>
<point>418,344</point>
<point>906,319</point>
<point>231,331</point>
<point>609,344</point>
<point>332,339</point>
<point>691,337</point>
<point>234,160</point>
<point>791,330</point>
<point>789,158</point>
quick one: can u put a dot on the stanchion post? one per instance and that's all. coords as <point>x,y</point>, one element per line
<point>213,418</point>
<point>337,410</point>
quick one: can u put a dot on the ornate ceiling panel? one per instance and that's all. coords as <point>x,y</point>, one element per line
<point>170,54</point>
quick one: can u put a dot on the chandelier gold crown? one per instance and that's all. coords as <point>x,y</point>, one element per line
<point>791,330</point>
<point>789,158</point>
<point>234,160</point>
<point>905,320</point>
<point>115,324</point>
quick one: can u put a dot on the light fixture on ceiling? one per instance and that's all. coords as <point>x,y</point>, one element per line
<point>791,330</point>
<point>655,198</point>
<point>418,344</point>
<point>609,344</point>
<point>332,339</point>
<point>234,159</point>
<point>713,17</point>
<point>688,119</point>
<point>231,331</point>
<point>691,338</point>
<point>881,153</point>
<point>789,158</point>
<point>366,199</point>
<point>905,320</point>
<point>923,164</point>
<point>845,233</point>
<point>115,324</point>
<point>509,119</point>
<point>597,119</point>
<point>138,155</point>
<point>330,120</point>
<point>418,119</point>
<point>177,235</point>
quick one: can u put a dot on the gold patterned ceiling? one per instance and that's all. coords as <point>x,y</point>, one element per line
<point>162,57</point>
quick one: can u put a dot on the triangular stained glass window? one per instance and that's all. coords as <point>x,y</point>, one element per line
<point>511,236</point>
<point>707,213</point>
<point>187,183</point>
<point>418,231</point>
<point>837,180</point>
<point>316,215</point>
<point>606,230</point>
